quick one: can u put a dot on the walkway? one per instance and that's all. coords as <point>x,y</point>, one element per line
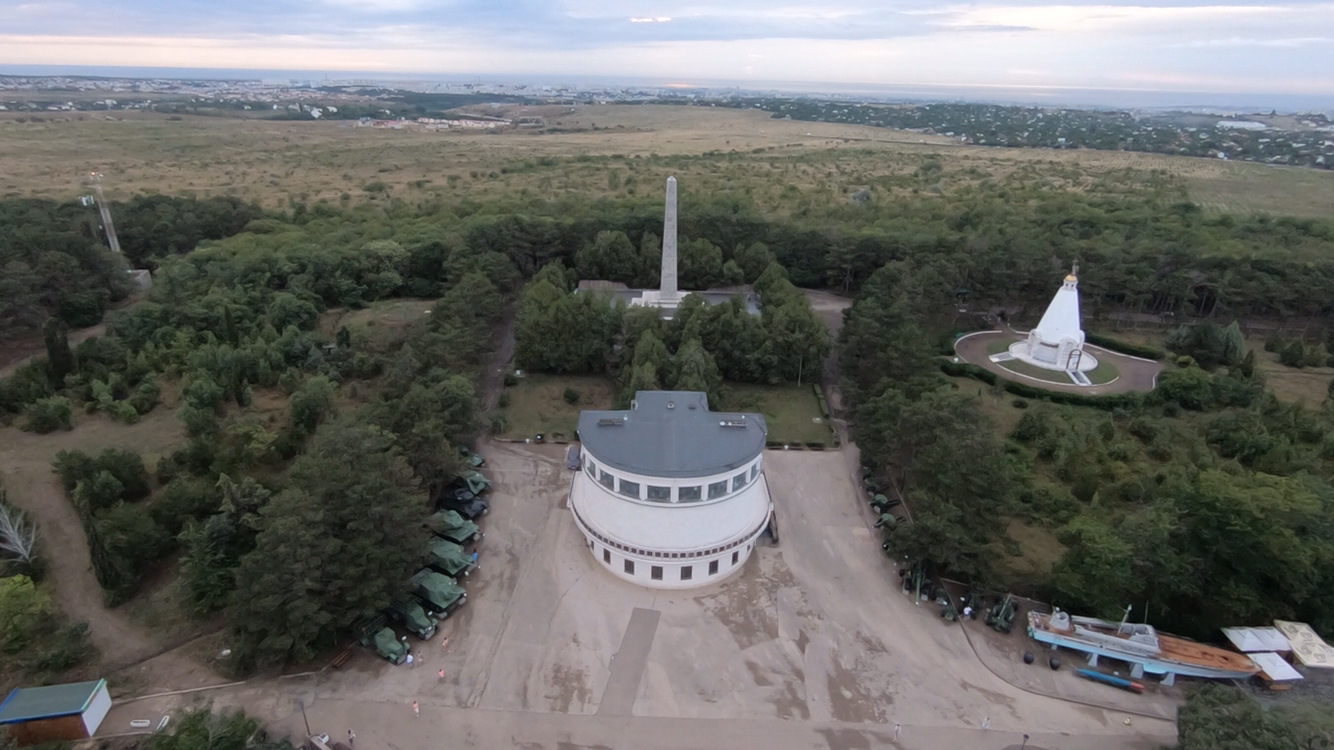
<point>1136,375</point>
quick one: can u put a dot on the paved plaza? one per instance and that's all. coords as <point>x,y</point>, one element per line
<point>811,645</point>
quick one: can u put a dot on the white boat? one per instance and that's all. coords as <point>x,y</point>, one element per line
<point>1140,645</point>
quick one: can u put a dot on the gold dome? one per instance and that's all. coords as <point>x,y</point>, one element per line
<point>1071,277</point>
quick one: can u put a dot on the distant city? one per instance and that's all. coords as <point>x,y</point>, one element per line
<point>1220,131</point>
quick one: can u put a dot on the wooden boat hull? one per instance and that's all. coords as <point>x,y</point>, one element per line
<point>1176,656</point>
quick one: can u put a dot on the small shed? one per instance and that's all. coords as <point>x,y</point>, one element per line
<point>55,712</point>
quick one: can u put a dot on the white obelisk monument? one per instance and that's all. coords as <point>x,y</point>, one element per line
<point>666,297</point>
<point>668,283</point>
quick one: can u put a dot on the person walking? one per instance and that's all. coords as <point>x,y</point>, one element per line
<point>416,710</point>
<point>897,728</point>
<point>410,660</point>
<point>351,738</point>
<point>444,643</point>
<point>442,674</point>
<point>986,723</point>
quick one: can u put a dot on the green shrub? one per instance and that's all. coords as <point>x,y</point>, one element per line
<point>1124,347</point>
<point>1019,403</point>
<point>511,380</point>
<point>183,500</point>
<point>1293,354</point>
<point>146,395</point>
<point>571,396</point>
<point>48,415</point>
<point>69,647</point>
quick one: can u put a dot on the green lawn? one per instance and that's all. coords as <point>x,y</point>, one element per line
<point>1033,371</point>
<point>1000,345</point>
<point>537,405</point>
<point>791,411</point>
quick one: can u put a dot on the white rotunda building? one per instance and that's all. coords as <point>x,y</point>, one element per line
<point>671,495</point>
<point>1057,342</point>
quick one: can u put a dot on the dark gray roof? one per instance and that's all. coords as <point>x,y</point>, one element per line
<point>672,434</point>
<point>26,704</point>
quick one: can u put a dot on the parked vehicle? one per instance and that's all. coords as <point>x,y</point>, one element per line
<point>439,593</point>
<point>471,459</point>
<point>448,558</point>
<point>468,504</point>
<point>375,631</point>
<point>407,611</point>
<point>474,481</point>
<point>454,527</point>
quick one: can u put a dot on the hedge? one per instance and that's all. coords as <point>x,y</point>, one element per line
<point>1116,345</point>
<point>1024,390</point>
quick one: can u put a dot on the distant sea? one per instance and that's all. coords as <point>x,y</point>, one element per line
<point>1054,96</point>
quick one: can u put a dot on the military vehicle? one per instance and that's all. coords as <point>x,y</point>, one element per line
<point>407,611</point>
<point>448,558</point>
<point>454,527</point>
<point>439,593</point>
<point>472,460</point>
<point>473,481</point>
<point>375,631</point>
<point>469,505</point>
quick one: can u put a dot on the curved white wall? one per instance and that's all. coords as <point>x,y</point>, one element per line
<point>670,542</point>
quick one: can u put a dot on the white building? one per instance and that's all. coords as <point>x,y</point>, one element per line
<point>1057,342</point>
<point>670,494</point>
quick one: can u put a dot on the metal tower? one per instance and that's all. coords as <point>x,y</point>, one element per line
<point>95,182</point>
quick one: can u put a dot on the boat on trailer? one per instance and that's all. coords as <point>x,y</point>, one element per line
<point>1140,645</point>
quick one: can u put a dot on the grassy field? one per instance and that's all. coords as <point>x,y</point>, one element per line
<point>603,150</point>
<point>536,405</point>
<point>791,411</point>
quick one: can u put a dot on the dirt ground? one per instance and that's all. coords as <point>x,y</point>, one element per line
<point>25,466</point>
<point>1136,375</point>
<point>810,645</point>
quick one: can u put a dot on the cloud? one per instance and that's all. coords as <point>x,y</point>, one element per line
<point>1173,43</point>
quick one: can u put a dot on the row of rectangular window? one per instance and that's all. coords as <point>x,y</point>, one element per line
<point>684,494</point>
<point>655,571</point>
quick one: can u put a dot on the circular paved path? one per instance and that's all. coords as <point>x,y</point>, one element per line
<point>1137,375</point>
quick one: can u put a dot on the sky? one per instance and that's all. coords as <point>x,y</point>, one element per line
<point>1156,45</point>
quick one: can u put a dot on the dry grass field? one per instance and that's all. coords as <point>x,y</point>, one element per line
<point>616,151</point>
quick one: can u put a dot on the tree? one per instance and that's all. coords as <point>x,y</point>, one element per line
<point>701,264</point>
<point>312,403</point>
<point>59,358</point>
<point>611,256</point>
<point>48,415</point>
<point>336,545</point>
<point>18,535</point>
<point>693,369</point>
<point>208,562</point>
<point>1218,717</point>
<point>24,613</point>
<point>201,729</point>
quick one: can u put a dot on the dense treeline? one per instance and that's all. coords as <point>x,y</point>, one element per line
<point>295,521</point>
<point>54,261</point>
<point>1207,502</point>
<point>564,331</point>
<point>995,242</point>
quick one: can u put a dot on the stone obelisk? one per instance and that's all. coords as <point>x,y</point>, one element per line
<point>668,285</point>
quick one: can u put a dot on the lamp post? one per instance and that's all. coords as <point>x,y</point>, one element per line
<point>1021,747</point>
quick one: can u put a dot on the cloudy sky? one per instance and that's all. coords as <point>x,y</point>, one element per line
<point>1181,45</point>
